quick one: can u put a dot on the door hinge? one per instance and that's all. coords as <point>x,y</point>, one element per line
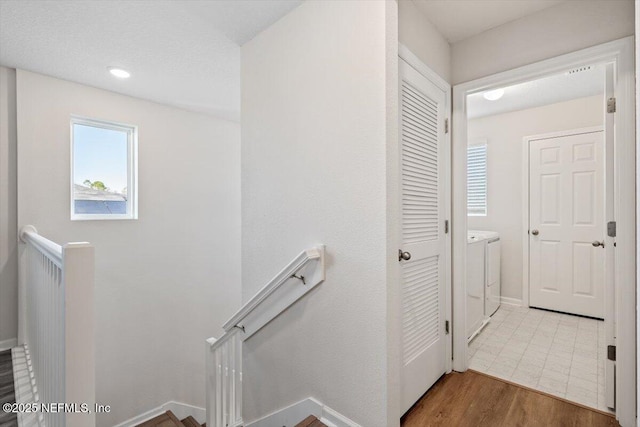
<point>611,352</point>
<point>611,105</point>
<point>446,327</point>
<point>446,125</point>
<point>611,229</point>
<point>446,226</point>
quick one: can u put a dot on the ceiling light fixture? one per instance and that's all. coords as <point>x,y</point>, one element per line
<point>119,72</point>
<point>493,95</point>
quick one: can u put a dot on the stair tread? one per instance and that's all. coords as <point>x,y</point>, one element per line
<point>190,422</point>
<point>168,419</point>
<point>311,421</point>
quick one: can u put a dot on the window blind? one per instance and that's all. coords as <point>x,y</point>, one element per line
<point>477,180</point>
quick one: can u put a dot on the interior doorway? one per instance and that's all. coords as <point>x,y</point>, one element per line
<point>598,190</point>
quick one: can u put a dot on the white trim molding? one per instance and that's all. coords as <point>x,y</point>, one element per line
<point>180,410</point>
<point>413,60</point>
<point>292,415</point>
<point>8,344</point>
<point>511,301</point>
<point>620,54</point>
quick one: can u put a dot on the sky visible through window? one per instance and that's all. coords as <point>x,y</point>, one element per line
<point>100,155</point>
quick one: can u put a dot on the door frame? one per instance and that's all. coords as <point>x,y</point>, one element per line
<point>621,54</point>
<point>410,58</point>
<point>526,196</point>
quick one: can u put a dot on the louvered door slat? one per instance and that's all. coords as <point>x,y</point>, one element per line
<point>421,152</point>
<point>421,316</point>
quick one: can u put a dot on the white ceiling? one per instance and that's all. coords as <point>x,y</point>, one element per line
<point>184,53</point>
<point>536,93</point>
<point>181,53</point>
<point>459,19</point>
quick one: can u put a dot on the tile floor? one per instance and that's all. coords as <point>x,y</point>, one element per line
<point>556,353</point>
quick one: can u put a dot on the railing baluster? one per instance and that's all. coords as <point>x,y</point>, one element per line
<point>238,396</point>
<point>224,373</point>
<point>232,379</point>
<point>59,333</point>
<point>218,356</point>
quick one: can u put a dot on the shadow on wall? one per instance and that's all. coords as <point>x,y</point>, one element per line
<point>8,207</point>
<point>9,294</point>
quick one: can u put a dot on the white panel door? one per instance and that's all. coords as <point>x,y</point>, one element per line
<point>422,143</point>
<point>566,218</point>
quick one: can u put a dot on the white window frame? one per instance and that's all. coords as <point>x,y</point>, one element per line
<point>481,142</point>
<point>132,168</point>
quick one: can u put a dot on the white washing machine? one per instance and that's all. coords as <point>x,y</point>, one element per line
<point>493,287</point>
<point>492,281</point>
<point>483,279</point>
<point>476,274</point>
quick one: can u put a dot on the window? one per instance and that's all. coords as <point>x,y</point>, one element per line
<point>477,180</point>
<point>103,170</point>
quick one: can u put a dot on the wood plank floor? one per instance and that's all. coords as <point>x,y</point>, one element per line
<point>311,421</point>
<point>168,419</point>
<point>7,391</point>
<point>475,400</point>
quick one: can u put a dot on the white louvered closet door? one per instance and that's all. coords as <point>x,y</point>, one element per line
<point>422,141</point>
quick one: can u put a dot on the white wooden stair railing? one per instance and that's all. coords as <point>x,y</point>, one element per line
<point>224,355</point>
<point>57,326</point>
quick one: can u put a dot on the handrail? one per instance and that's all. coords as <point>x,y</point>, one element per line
<point>224,355</point>
<point>53,251</point>
<point>287,273</point>
<point>56,324</point>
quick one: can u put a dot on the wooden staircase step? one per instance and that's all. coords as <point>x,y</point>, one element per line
<point>190,422</point>
<point>311,421</point>
<point>168,419</point>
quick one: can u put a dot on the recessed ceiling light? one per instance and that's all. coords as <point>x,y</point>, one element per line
<point>119,72</point>
<point>493,95</point>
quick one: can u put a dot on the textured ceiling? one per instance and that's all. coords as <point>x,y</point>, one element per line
<point>459,19</point>
<point>181,53</point>
<point>536,93</point>
<point>184,53</point>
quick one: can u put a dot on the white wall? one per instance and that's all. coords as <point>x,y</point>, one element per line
<point>504,133</point>
<point>314,170</point>
<point>164,282</point>
<point>570,26</point>
<point>416,32</point>
<point>8,210</point>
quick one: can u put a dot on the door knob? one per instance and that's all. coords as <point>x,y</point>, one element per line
<point>535,232</point>
<point>406,256</point>
<point>595,244</point>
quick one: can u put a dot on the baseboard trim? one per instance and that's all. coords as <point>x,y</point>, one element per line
<point>180,410</point>
<point>333,418</point>
<point>511,301</point>
<point>183,410</point>
<point>291,415</point>
<point>8,344</point>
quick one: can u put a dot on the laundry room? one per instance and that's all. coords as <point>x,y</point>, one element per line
<point>539,189</point>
